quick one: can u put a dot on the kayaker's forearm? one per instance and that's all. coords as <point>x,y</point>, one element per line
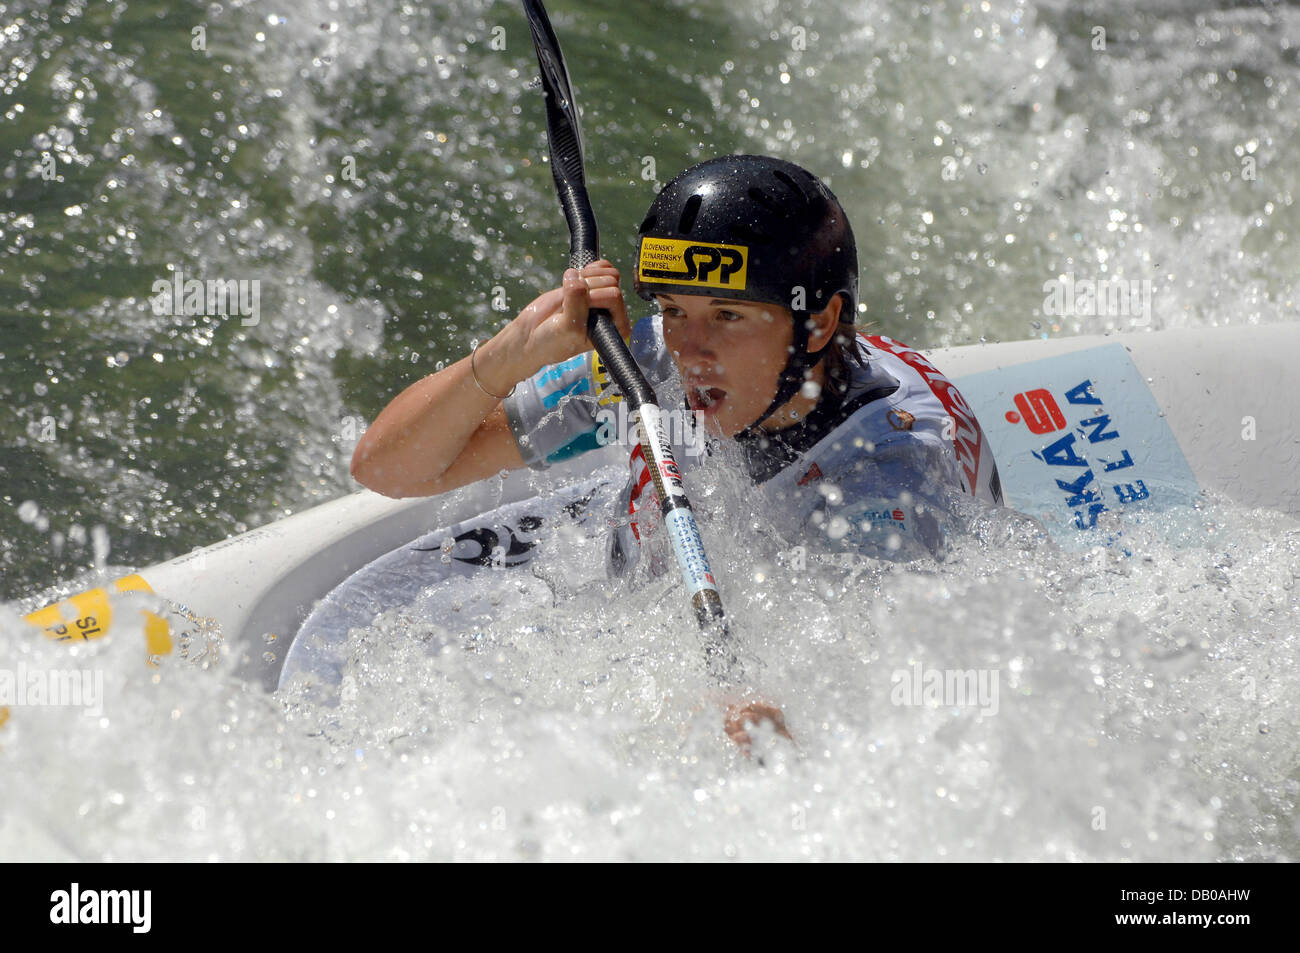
<point>414,447</point>
<point>446,431</point>
<point>421,431</point>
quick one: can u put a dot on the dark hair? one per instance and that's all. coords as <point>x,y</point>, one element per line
<point>842,352</point>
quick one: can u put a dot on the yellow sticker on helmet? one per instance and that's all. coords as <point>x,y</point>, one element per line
<point>678,262</point>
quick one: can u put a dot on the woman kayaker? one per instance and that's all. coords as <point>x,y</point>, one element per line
<point>855,439</point>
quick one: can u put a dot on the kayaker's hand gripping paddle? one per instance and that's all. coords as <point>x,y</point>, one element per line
<point>564,134</point>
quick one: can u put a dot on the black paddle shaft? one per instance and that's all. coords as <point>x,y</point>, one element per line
<point>564,136</point>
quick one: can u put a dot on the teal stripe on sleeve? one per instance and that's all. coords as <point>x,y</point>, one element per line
<point>579,444</point>
<point>556,371</point>
<point>580,386</point>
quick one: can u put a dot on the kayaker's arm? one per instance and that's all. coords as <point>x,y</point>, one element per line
<point>435,419</point>
<point>445,431</point>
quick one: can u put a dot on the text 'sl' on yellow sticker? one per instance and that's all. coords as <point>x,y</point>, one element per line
<point>678,262</point>
<point>89,615</point>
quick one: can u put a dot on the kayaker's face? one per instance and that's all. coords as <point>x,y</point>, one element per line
<point>730,355</point>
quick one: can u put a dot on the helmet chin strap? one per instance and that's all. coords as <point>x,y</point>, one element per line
<point>792,376</point>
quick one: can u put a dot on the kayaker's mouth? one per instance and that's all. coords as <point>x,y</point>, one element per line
<point>704,400</point>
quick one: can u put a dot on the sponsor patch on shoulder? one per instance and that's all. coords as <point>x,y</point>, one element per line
<point>900,419</point>
<point>679,262</point>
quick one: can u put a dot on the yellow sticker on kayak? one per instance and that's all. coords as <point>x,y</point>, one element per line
<point>89,615</point>
<point>678,262</point>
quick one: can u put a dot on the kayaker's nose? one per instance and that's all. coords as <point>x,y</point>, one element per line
<point>692,343</point>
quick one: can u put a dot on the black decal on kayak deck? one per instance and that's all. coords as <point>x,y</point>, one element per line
<point>489,543</point>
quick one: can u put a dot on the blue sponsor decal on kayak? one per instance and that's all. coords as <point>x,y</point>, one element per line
<point>1079,435</point>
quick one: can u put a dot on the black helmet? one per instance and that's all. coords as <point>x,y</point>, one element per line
<point>752,228</point>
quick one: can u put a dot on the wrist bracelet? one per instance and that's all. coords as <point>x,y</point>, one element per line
<point>474,374</point>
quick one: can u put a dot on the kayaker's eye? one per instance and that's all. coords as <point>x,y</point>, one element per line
<point>730,316</point>
<point>671,312</point>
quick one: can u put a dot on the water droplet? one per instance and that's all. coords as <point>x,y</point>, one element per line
<point>99,545</point>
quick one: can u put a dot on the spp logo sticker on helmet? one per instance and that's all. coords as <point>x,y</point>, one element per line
<point>679,262</point>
